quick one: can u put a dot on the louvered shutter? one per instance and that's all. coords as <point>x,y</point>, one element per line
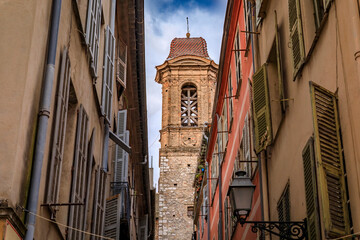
<point>226,216</point>
<point>296,34</point>
<point>78,184</point>
<point>246,142</point>
<point>225,129</point>
<point>261,110</point>
<point>112,217</point>
<point>326,4</point>
<point>329,158</point>
<point>121,64</point>
<point>59,130</point>
<point>283,208</point>
<point>108,74</point>
<point>279,64</point>
<point>98,214</point>
<point>92,35</point>
<point>143,230</point>
<point>88,174</point>
<point>230,92</point>
<point>120,164</point>
<point>238,63</point>
<point>312,207</point>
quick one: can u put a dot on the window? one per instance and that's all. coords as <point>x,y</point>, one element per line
<point>246,146</point>
<point>58,142</point>
<point>189,105</point>
<point>238,63</point>
<point>226,217</point>
<point>247,15</point>
<point>214,170</point>
<point>283,207</point>
<point>121,65</point>
<point>296,35</point>
<point>108,74</point>
<point>329,162</point>
<point>93,22</point>
<point>261,110</point>
<point>320,7</point>
<point>230,93</point>
<point>121,157</point>
<point>80,176</point>
<point>98,212</point>
<point>190,211</point>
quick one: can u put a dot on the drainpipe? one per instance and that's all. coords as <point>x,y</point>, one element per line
<point>43,119</point>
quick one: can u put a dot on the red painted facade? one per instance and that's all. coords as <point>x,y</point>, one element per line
<point>240,95</point>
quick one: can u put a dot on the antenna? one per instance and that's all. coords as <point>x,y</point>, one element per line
<point>188,32</point>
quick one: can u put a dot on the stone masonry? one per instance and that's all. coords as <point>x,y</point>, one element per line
<point>180,144</point>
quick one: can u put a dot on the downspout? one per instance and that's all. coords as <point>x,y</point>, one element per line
<point>220,192</point>
<point>43,119</point>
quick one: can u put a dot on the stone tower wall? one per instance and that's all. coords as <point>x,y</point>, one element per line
<point>180,145</point>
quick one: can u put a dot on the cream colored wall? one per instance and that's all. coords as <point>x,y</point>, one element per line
<point>332,66</point>
<point>22,54</point>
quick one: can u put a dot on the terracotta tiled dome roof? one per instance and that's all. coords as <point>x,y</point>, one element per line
<point>188,46</point>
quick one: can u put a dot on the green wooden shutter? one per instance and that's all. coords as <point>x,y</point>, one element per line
<point>312,207</point>
<point>279,64</point>
<point>261,109</point>
<point>296,34</point>
<point>330,169</point>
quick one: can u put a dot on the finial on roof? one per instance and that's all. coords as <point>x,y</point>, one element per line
<point>188,32</point>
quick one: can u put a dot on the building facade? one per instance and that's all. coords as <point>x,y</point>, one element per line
<point>229,148</point>
<point>74,164</point>
<point>304,84</point>
<point>188,79</point>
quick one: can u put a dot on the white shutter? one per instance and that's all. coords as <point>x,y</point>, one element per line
<point>121,156</point>
<point>59,130</point>
<point>121,64</point>
<point>108,74</point>
<point>112,217</point>
<point>143,230</point>
<point>93,32</point>
<point>98,214</point>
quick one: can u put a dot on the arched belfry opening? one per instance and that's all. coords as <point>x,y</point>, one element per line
<point>189,105</point>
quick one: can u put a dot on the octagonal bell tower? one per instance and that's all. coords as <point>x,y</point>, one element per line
<point>188,78</point>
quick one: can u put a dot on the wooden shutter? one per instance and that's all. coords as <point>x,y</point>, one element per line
<point>59,130</point>
<point>329,158</point>
<point>98,214</point>
<point>121,64</point>
<point>112,217</point>
<point>92,35</point>
<point>312,207</point>
<point>225,128</point>
<point>121,157</point>
<point>296,34</point>
<point>279,64</point>
<point>108,74</point>
<point>283,206</point>
<point>238,63</point>
<point>246,145</point>
<point>78,185</point>
<point>230,93</point>
<point>88,174</point>
<point>261,109</point>
<point>143,230</point>
<point>226,216</point>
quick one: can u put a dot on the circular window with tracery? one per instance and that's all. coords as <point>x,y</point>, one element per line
<point>189,105</point>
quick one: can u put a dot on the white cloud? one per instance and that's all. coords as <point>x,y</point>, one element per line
<point>160,29</point>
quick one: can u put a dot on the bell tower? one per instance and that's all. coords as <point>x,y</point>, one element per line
<point>188,78</point>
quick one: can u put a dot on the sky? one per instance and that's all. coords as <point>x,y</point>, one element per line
<point>165,20</point>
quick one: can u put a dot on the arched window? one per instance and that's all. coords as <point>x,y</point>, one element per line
<point>189,105</point>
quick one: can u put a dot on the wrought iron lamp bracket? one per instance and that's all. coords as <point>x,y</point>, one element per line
<point>285,230</point>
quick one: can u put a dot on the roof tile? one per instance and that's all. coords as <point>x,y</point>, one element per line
<point>188,46</point>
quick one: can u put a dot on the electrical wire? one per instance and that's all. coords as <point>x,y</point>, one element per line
<point>63,225</point>
<point>346,236</point>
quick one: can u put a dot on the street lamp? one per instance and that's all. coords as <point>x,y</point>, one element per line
<point>241,192</point>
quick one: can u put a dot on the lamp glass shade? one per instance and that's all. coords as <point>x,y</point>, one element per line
<point>241,194</point>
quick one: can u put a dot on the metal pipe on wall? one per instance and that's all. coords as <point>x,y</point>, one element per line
<point>43,119</point>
